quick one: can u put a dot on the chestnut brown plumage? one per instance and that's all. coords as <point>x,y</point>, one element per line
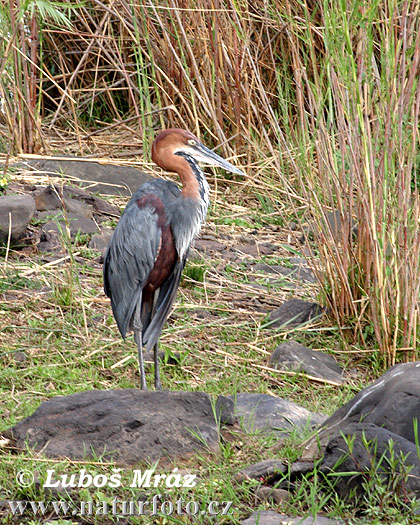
<point>149,247</point>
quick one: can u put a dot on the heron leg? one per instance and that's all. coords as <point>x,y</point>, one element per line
<point>158,385</point>
<point>137,328</point>
<point>137,338</point>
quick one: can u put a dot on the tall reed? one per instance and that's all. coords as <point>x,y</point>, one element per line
<point>358,101</point>
<point>320,99</point>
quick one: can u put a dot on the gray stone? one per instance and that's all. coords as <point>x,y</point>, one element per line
<point>262,470</point>
<point>256,249</point>
<point>76,223</point>
<point>19,209</point>
<point>76,200</point>
<point>298,270</point>
<point>100,241</point>
<point>269,517</point>
<point>391,402</point>
<point>262,412</point>
<point>270,494</point>
<point>127,425</point>
<point>294,356</point>
<point>225,410</point>
<point>294,312</point>
<point>78,208</point>
<point>108,179</point>
<point>362,458</point>
<point>204,245</point>
<point>50,242</point>
<point>388,409</point>
<point>263,517</point>
<point>47,198</point>
<point>333,225</point>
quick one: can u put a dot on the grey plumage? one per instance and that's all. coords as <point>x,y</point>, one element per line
<point>148,250</point>
<point>131,255</point>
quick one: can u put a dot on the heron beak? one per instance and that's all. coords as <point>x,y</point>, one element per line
<point>205,155</point>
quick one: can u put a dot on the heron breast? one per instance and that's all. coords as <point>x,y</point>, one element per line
<point>166,255</point>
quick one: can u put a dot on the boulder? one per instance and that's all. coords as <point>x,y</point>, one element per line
<point>76,223</point>
<point>362,447</point>
<point>261,470</point>
<point>100,241</point>
<point>262,412</point>
<point>19,209</point>
<point>294,312</point>
<point>385,412</point>
<point>127,425</point>
<point>108,179</point>
<point>298,270</point>
<point>294,356</point>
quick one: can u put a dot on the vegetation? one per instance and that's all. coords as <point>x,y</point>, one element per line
<point>319,103</point>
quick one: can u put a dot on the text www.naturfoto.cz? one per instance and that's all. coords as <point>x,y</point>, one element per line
<point>121,508</point>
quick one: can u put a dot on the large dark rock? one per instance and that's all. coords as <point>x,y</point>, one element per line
<point>72,198</point>
<point>370,449</point>
<point>261,470</point>
<point>76,223</point>
<point>386,410</point>
<point>108,179</point>
<point>391,402</point>
<point>294,312</point>
<point>294,356</point>
<point>19,209</point>
<point>262,412</point>
<point>127,425</point>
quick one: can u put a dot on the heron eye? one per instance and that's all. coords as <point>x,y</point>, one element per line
<point>192,142</point>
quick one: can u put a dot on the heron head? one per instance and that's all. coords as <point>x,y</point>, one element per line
<point>172,144</point>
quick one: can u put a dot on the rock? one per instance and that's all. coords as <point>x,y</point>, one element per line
<point>108,179</point>
<point>269,517</point>
<point>294,356</point>
<point>128,425</point>
<point>333,224</point>
<point>261,470</point>
<point>262,412</point>
<point>256,249</point>
<point>298,271</point>
<point>50,242</point>
<point>76,223</point>
<point>294,312</point>
<point>100,241</point>
<point>272,495</point>
<point>203,245</point>
<point>386,409</point>
<point>225,409</point>
<point>263,517</point>
<point>375,456</point>
<point>105,207</point>
<point>78,208</point>
<point>76,200</point>
<point>391,402</point>
<point>19,209</point>
<point>20,357</point>
<point>47,198</point>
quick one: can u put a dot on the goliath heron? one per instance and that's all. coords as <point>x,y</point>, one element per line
<point>150,245</point>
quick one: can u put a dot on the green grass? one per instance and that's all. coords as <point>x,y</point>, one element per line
<point>319,103</point>
<point>62,322</point>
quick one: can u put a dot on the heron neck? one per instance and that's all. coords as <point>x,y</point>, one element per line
<point>194,183</point>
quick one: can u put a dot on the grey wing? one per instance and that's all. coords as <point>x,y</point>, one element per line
<point>128,261</point>
<point>166,297</point>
